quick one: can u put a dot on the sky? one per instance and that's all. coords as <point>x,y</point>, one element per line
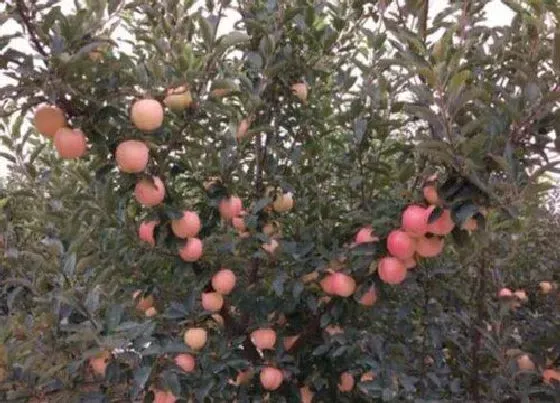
<point>497,12</point>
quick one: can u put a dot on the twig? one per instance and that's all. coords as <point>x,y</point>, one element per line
<point>22,11</point>
<point>476,333</point>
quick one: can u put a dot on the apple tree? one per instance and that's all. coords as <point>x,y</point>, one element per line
<point>279,201</point>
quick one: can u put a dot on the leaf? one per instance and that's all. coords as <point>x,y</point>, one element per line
<point>141,376</point>
<point>224,84</point>
<point>173,213</point>
<point>92,300</point>
<point>176,311</point>
<point>9,157</point>
<point>254,60</point>
<point>438,211</point>
<point>429,116</point>
<point>113,315</point>
<point>69,265</point>
<point>234,38</point>
<point>451,187</point>
<point>297,289</point>
<point>278,283</point>
<point>463,212</point>
<point>461,237</point>
<point>321,350</point>
<point>359,125</point>
<point>261,204</point>
<point>457,82</point>
<point>206,31</point>
<point>202,392</point>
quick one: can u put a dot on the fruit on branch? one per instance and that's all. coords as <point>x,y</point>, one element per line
<point>415,220</point>
<point>192,250</point>
<point>99,363</point>
<point>264,339</point>
<point>306,394</point>
<point>368,376</point>
<point>132,156</point>
<point>365,235</point>
<point>443,225</point>
<point>429,247</point>
<point>150,312</point>
<point>505,293</point>
<point>195,338</point>
<point>550,375</point>
<point>242,128</point>
<point>270,246</point>
<point>289,341</point>
<point>338,284</point>
<point>400,244</point>
<point>430,194</point>
<point>271,378</point>
<point>300,91</point>
<point>521,295</point>
<point>239,224</point>
<point>243,377</point>
<point>546,287</point>
<point>48,119</point>
<point>70,143</point>
<point>147,114</point>
<point>178,99</point>
<point>333,330</point>
<point>470,224</point>
<point>143,302</point>
<point>164,396</point>
<point>391,270</point>
<point>187,226</point>
<point>149,192</point>
<point>270,228</point>
<point>283,202</point>
<point>369,298</point>
<point>185,361</point>
<point>346,382</point>
<point>525,363</point>
<point>224,281</point>
<point>146,231</point>
<point>212,301</point>
<point>230,207</point>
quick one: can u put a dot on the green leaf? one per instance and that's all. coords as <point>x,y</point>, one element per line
<point>438,211</point>
<point>261,204</point>
<point>113,315</point>
<point>297,289</point>
<point>92,300</point>
<point>457,82</point>
<point>206,31</point>
<point>141,376</point>
<point>463,212</point>
<point>278,283</point>
<point>461,237</point>
<point>234,38</point>
<point>224,84</point>
<point>69,264</point>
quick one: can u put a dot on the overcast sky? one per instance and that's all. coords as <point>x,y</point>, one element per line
<point>497,12</point>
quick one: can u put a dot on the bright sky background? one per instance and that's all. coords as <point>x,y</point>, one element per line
<point>497,12</point>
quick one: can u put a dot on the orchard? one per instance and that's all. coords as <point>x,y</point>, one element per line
<point>284,201</point>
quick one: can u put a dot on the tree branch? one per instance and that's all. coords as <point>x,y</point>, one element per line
<point>476,334</point>
<point>28,24</point>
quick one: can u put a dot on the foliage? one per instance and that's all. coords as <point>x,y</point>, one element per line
<point>392,100</point>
